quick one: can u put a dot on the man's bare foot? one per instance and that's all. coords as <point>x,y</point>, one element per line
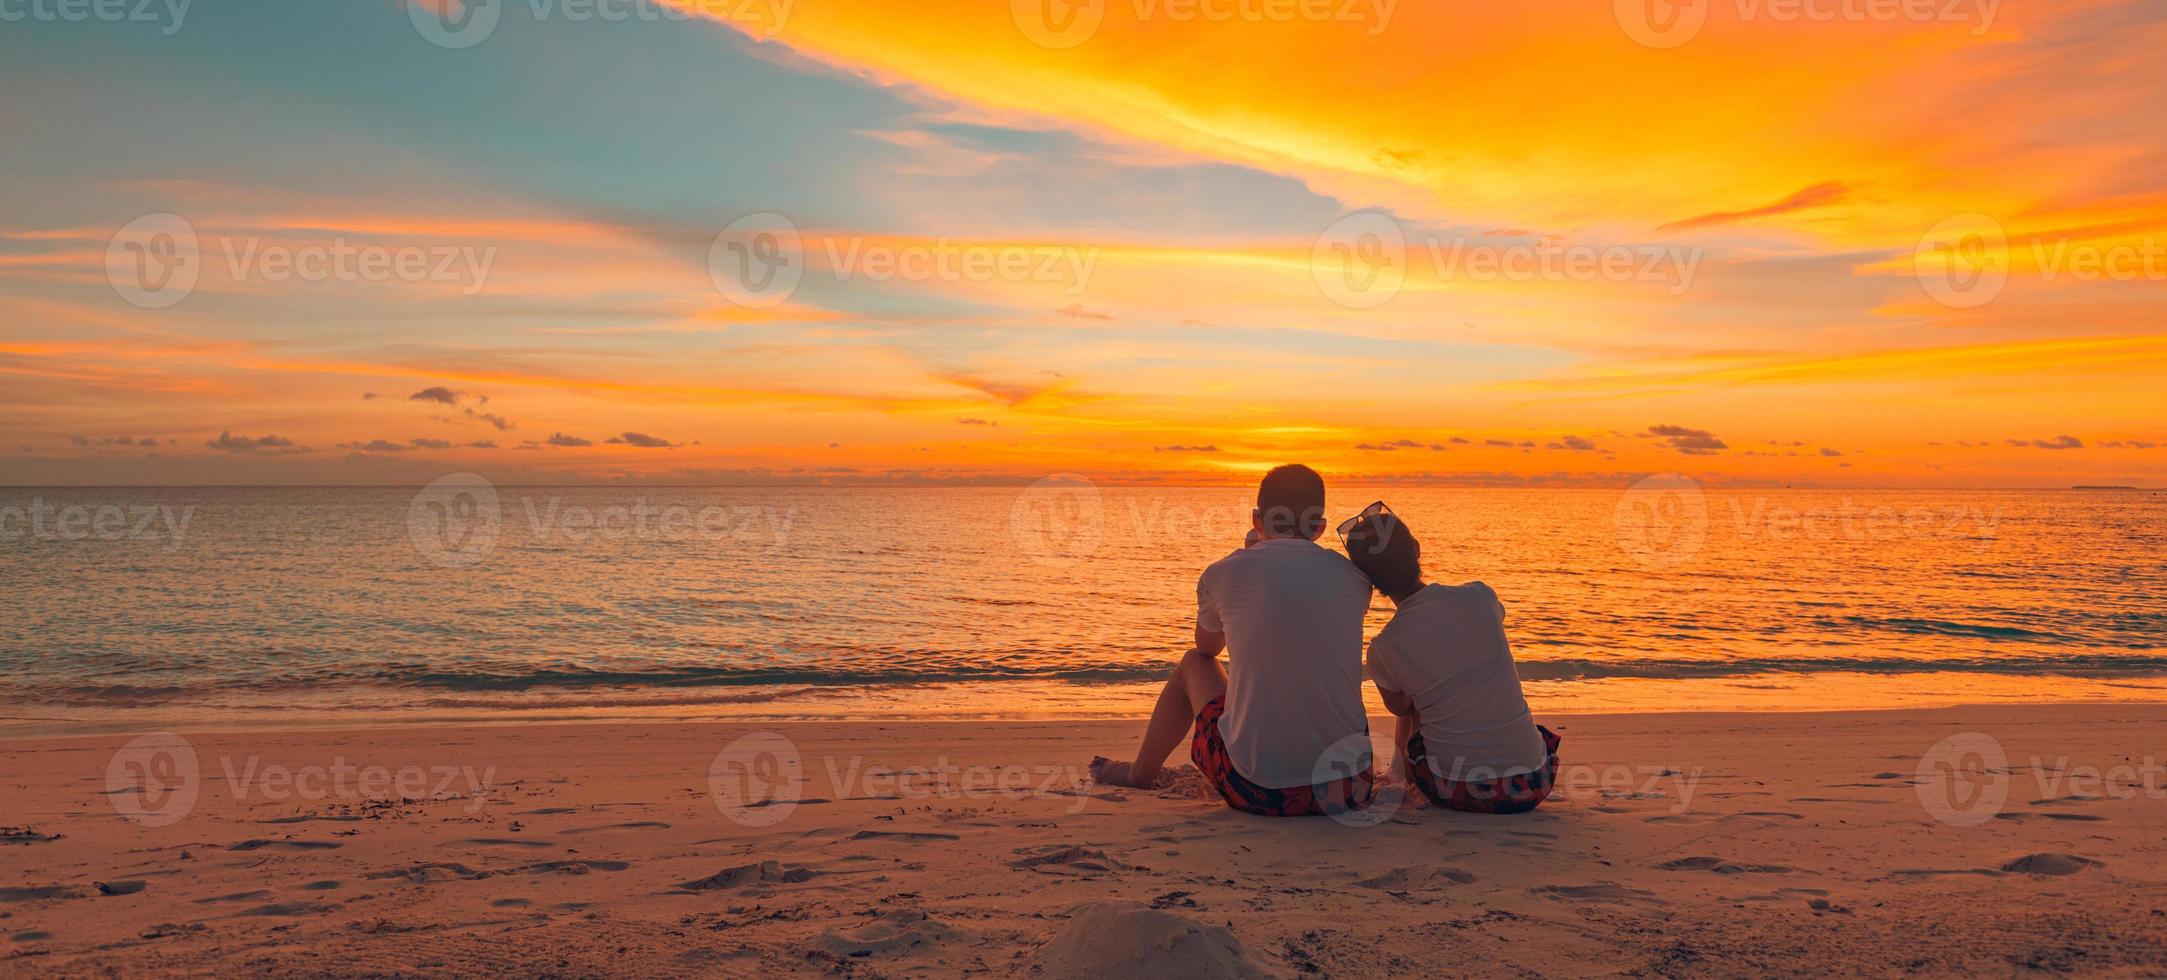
<point>1107,772</point>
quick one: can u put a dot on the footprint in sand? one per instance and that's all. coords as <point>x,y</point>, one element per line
<point>323,886</point>
<point>1600,892</point>
<point>284,909</point>
<point>2050,864</point>
<point>1066,857</point>
<point>39,893</point>
<point>1722,867</point>
<point>1401,879</point>
<point>254,896</point>
<point>498,842</point>
<point>621,827</point>
<point>258,844</point>
<point>914,835</point>
<point>429,874</point>
<point>763,873</point>
<point>570,867</point>
<point>121,887</point>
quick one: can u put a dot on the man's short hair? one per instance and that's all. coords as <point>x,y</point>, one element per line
<point>1386,551</point>
<point>1290,502</point>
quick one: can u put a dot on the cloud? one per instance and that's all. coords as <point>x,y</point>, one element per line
<point>1185,449</point>
<point>1692,442</point>
<point>560,439</point>
<point>2058,442</point>
<point>492,418</point>
<point>639,439</point>
<point>1574,443</point>
<point>439,394</point>
<point>481,444</point>
<point>1077,311</point>
<point>1811,197</point>
<point>87,441</point>
<point>975,422</point>
<point>1458,441</point>
<point>1393,446</point>
<point>2111,444</point>
<point>1825,451</point>
<point>374,446</point>
<point>1497,442</point>
<point>263,445</point>
<point>368,396</point>
<point>430,443</point>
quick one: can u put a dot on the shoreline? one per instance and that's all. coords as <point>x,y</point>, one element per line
<point>1068,701</point>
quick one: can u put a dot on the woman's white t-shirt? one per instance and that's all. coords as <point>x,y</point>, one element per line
<point>1445,650</point>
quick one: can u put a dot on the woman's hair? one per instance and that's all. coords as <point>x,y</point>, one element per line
<point>1386,551</point>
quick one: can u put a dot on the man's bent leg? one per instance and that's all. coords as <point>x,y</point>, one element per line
<point>1195,682</point>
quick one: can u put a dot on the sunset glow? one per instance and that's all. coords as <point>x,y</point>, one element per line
<point>1776,248</point>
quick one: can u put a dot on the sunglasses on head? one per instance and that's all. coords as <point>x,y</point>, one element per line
<point>1348,526</point>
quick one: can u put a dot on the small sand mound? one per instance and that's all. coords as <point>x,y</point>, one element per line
<point>2049,864</point>
<point>1123,939</point>
<point>903,929</point>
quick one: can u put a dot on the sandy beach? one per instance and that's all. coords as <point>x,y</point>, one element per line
<point>1697,844</point>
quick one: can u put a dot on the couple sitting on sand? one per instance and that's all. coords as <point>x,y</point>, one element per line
<point>1272,728</point>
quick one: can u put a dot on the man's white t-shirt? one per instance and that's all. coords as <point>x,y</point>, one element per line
<point>1292,614</point>
<point>1445,649</point>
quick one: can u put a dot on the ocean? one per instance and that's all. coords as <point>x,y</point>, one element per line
<point>135,607</point>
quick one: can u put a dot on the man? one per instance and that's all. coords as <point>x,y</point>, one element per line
<point>1272,727</point>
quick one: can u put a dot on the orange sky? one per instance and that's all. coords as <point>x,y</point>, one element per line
<point>1857,250</point>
